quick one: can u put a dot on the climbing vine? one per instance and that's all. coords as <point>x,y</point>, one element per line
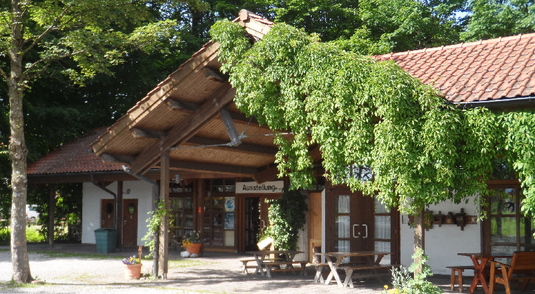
<point>367,113</point>
<point>287,215</point>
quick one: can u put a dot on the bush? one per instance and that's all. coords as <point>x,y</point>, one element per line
<point>404,283</point>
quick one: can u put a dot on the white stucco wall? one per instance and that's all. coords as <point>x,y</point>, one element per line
<point>443,243</point>
<point>92,196</point>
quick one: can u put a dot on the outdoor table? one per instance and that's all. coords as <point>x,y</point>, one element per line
<point>339,257</point>
<point>480,261</point>
<point>265,264</point>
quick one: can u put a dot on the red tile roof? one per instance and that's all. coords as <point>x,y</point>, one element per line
<point>74,157</point>
<point>478,71</point>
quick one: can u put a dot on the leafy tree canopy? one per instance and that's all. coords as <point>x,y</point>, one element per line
<point>499,18</point>
<point>367,114</point>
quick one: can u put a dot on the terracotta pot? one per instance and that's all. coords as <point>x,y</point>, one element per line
<point>132,271</point>
<point>194,248</point>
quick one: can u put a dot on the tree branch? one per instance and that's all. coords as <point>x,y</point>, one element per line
<point>47,62</point>
<point>48,30</point>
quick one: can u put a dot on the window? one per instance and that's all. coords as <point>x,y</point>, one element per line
<point>506,229</point>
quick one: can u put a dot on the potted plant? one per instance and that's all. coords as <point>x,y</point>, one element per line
<point>192,243</point>
<point>133,267</point>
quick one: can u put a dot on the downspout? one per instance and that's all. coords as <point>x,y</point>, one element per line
<point>157,233</point>
<point>112,194</point>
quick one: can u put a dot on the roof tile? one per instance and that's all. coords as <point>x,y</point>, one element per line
<point>477,71</point>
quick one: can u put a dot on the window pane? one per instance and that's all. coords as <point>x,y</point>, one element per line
<point>503,201</point>
<point>341,204</point>
<point>503,230</point>
<point>341,229</point>
<point>383,247</point>
<point>382,227</point>
<point>379,207</point>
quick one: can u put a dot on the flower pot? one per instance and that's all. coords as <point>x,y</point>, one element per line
<point>194,248</point>
<point>132,271</point>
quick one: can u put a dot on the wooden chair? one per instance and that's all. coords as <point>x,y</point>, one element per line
<point>521,269</point>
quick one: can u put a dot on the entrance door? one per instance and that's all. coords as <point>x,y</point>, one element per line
<point>351,221</point>
<point>252,223</point>
<point>107,213</point>
<point>356,222</point>
<point>130,211</point>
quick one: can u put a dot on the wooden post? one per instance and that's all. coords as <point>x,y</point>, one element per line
<point>51,211</point>
<point>164,227</point>
<point>120,221</point>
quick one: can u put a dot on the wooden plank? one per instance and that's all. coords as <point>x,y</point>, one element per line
<point>211,167</point>
<point>182,132</point>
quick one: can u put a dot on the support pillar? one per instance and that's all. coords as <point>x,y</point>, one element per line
<point>164,227</point>
<point>51,214</point>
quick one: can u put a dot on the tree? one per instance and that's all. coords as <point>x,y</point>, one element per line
<point>497,18</point>
<point>78,39</point>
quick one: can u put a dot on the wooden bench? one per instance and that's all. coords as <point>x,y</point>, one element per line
<point>371,271</point>
<point>521,269</point>
<point>245,264</point>
<point>275,266</point>
<point>457,275</point>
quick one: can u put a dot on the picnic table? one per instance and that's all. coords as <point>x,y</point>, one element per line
<point>370,268</point>
<point>277,260</point>
<point>480,261</point>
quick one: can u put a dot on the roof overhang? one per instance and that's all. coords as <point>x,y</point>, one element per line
<point>192,117</point>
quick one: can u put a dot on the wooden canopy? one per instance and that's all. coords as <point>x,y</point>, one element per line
<point>192,116</point>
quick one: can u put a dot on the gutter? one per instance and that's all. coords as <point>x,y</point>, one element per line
<point>501,103</point>
<point>157,234</point>
<point>99,184</point>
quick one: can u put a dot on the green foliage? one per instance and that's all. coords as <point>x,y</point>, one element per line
<point>365,113</point>
<point>33,235</point>
<point>404,283</point>
<point>153,226</point>
<point>497,18</point>
<point>287,215</point>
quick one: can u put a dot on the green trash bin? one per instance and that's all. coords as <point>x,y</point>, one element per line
<point>106,240</point>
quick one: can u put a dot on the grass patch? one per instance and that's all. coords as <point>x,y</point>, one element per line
<point>33,235</point>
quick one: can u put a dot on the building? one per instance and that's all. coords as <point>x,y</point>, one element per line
<point>219,165</point>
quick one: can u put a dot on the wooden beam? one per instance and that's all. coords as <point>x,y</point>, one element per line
<point>268,174</point>
<point>182,132</point>
<point>214,75</point>
<point>181,105</point>
<point>143,133</point>
<point>245,147</point>
<point>211,167</point>
<point>117,158</point>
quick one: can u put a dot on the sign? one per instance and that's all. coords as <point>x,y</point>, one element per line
<point>255,188</point>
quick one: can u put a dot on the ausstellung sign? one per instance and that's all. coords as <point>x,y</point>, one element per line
<point>264,188</point>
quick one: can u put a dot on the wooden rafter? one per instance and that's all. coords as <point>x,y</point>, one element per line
<point>182,132</point>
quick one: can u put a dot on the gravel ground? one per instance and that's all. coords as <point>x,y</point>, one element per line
<point>214,273</point>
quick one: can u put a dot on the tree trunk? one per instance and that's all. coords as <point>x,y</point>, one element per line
<point>419,235</point>
<point>18,153</point>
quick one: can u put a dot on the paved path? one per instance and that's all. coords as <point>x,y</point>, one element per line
<point>214,273</point>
